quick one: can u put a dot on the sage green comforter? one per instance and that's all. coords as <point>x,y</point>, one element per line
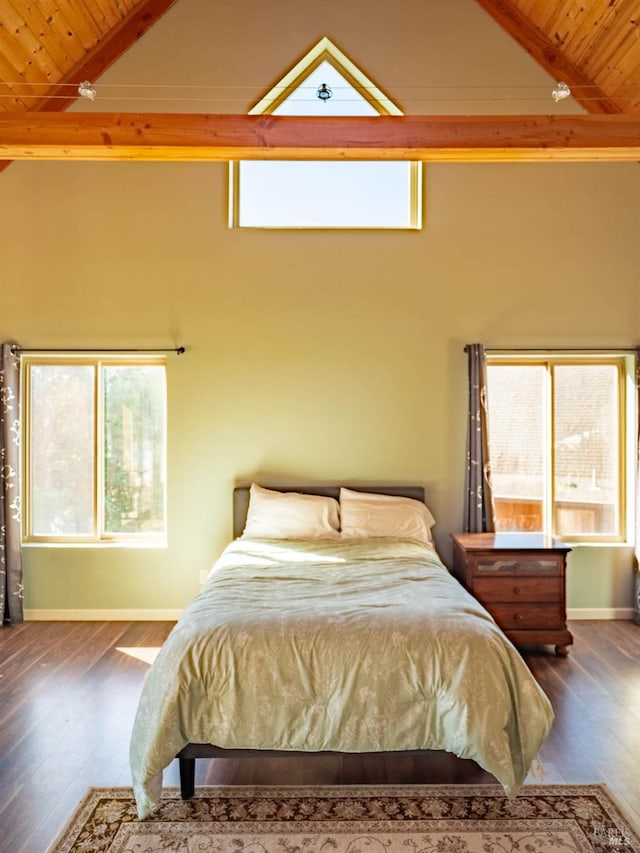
<point>355,646</point>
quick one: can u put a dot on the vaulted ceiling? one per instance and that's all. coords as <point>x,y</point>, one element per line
<point>48,47</point>
<point>592,45</point>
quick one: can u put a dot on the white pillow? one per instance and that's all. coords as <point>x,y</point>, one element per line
<point>365,514</point>
<point>290,515</point>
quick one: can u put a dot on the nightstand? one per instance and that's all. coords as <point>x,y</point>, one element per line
<point>520,579</point>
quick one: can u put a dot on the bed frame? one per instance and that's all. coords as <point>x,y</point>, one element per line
<point>187,756</point>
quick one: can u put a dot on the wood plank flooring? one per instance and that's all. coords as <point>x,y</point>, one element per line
<point>68,694</point>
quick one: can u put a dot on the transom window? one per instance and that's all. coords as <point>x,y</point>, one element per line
<point>558,444</point>
<point>326,194</point>
<point>94,450</point>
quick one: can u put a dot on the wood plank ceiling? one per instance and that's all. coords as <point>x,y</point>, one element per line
<point>48,47</point>
<point>592,45</point>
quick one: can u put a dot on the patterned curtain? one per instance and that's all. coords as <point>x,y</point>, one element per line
<point>478,495</point>
<point>10,553</point>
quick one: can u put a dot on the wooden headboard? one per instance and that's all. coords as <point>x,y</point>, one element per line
<point>241,496</point>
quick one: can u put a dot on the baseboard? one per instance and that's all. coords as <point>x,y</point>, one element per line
<point>600,613</point>
<point>173,615</point>
<point>102,615</point>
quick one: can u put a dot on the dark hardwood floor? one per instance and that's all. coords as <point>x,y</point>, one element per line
<point>68,693</point>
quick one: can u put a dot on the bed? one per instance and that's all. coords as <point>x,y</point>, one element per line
<point>352,638</point>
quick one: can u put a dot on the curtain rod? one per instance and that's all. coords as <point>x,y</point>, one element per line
<point>557,349</point>
<point>15,350</point>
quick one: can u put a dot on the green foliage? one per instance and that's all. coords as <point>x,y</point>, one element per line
<point>133,449</point>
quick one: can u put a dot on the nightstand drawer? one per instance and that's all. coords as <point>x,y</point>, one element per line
<point>527,616</point>
<point>520,579</point>
<point>514,589</point>
<point>518,565</point>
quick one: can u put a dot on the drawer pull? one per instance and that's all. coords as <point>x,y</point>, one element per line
<point>518,617</point>
<point>517,590</point>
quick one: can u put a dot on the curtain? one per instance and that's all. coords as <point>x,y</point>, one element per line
<point>10,553</point>
<point>478,496</point>
<point>636,559</point>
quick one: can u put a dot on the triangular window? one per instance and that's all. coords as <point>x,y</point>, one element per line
<point>325,194</point>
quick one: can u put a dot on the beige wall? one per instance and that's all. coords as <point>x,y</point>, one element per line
<point>313,356</point>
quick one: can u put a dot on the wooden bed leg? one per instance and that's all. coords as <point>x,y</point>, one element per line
<point>187,777</point>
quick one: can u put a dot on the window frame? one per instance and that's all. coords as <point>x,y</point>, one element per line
<point>326,51</point>
<point>98,537</point>
<point>415,205</point>
<point>625,364</point>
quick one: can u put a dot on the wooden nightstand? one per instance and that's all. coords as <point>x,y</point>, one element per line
<point>520,579</point>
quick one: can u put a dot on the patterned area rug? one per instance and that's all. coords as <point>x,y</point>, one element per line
<point>372,819</point>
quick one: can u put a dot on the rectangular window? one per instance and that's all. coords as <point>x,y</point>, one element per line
<point>557,439</point>
<point>95,449</point>
<point>312,194</point>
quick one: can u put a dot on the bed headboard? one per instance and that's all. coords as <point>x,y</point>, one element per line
<point>241,496</point>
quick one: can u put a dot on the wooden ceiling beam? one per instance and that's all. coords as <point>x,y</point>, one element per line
<point>201,137</point>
